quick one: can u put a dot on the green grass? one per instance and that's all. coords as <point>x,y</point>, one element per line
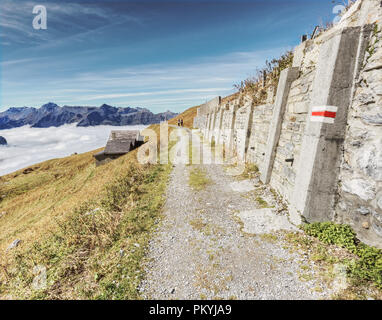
<point>198,224</point>
<point>33,202</point>
<point>250,171</point>
<point>268,237</point>
<point>208,229</point>
<point>262,202</point>
<point>198,179</point>
<point>371,49</point>
<point>367,266</point>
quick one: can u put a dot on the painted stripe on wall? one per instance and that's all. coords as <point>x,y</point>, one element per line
<point>325,108</point>
<point>326,114</point>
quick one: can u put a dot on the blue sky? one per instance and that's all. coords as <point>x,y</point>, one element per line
<point>155,54</point>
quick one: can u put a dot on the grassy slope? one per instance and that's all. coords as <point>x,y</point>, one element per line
<point>32,202</point>
<point>187,116</point>
<point>47,209</point>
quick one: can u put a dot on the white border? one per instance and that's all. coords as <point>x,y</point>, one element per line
<point>322,119</point>
<point>325,108</point>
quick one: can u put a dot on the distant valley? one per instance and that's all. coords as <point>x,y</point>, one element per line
<point>52,115</point>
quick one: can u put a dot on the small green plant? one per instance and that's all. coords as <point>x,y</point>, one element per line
<point>368,266</point>
<point>250,171</point>
<point>198,224</point>
<point>376,30</point>
<point>198,179</point>
<point>268,237</point>
<point>262,202</point>
<point>372,46</point>
<point>330,233</point>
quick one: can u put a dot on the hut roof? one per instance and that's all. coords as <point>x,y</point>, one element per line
<point>122,141</point>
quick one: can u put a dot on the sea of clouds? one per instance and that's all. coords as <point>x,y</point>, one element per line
<point>28,146</point>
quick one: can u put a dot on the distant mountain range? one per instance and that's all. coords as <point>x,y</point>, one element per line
<point>52,115</point>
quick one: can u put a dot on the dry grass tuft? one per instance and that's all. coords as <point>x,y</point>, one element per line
<point>198,179</point>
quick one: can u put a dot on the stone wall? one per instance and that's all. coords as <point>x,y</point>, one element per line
<point>261,120</point>
<point>242,128</point>
<point>360,181</point>
<point>218,125</point>
<point>327,165</point>
<point>226,132</point>
<point>200,121</point>
<point>212,126</point>
<point>294,120</point>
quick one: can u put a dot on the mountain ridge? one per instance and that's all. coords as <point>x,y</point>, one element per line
<point>52,115</point>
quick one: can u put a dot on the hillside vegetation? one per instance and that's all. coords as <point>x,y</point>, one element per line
<point>187,116</point>
<point>87,225</point>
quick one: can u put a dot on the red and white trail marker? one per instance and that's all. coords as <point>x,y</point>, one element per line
<point>325,114</point>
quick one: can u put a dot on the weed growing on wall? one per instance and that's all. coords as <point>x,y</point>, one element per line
<point>265,77</point>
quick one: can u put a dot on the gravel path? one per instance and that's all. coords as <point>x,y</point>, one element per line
<point>201,251</point>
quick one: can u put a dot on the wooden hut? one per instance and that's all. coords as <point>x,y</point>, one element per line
<point>120,142</point>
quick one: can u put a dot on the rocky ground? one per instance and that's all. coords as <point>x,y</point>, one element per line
<point>226,241</point>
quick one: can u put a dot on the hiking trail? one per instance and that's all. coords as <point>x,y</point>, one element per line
<point>226,242</point>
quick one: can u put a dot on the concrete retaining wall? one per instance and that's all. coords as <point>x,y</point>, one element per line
<point>261,119</point>
<point>242,129</point>
<point>360,179</point>
<point>327,169</point>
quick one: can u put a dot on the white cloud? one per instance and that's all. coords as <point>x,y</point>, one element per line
<point>28,146</point>
<point>17,61</point>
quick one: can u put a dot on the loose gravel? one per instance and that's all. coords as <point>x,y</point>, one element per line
<point>203,250</point>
